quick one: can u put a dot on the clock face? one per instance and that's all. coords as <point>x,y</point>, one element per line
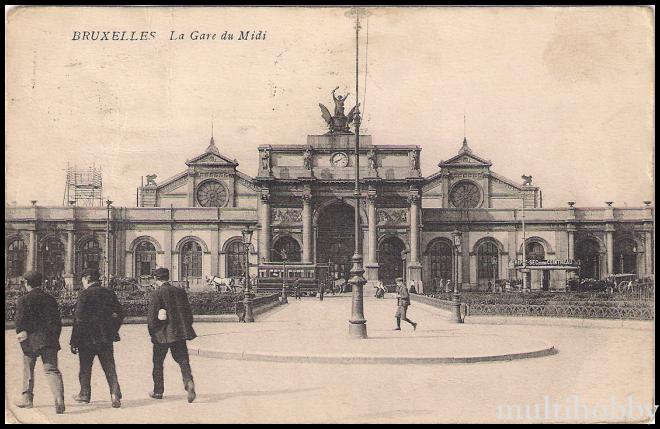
<point>212,194</point>
<point>465,195</point>
<point>339,159</point>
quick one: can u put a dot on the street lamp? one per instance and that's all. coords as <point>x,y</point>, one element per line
<point>284,257</point>
<point>456,303</point>
<point>106,265</point>
<point>247,302</point>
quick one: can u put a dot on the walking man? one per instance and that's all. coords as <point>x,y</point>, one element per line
<point>38,326</point>
<point>296,286</point>
<point>97,319</point>
<point>170,326</point>
<point>321,290</point>
<point>403,301</point>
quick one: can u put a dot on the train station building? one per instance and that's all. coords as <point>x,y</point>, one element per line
<point>301,201</point>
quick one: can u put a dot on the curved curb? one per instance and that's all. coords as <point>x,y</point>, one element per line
<point>363,359</point>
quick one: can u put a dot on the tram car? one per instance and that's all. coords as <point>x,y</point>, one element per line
<point>272,275</point>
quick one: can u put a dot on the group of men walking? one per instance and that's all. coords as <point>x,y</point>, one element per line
<point>98,317</point>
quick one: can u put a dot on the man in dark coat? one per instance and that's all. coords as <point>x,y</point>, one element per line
<point>403,301</point>
<point>321,289</point>
<point>170,326</point>
<point>296,287</point>
<point>38,326</point>
<point>97,319</point>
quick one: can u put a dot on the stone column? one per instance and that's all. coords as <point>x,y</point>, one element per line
<point>307,227</point>
<point>372,238</point>
<point>69,260</point>
<point>30,264</point>
<point>609,243</point>
<point>414,267</point>
<point>648,252</point>
<point>264,221</point>
<point>571,241</point>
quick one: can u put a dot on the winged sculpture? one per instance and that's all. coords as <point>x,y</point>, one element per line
<point>339,123</point>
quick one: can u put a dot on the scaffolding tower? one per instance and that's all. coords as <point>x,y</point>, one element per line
<point>84,187</point>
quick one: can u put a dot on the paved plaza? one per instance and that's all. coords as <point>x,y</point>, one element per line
<point>598,364</point>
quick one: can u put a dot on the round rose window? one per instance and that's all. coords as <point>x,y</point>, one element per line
<point>465,195</point>
<point>211,194</point>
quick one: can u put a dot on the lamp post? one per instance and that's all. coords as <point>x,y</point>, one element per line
<point>456,303</point>
<point>247,292</point>
<point>247,302</point>
<point>284,257</point>
<point>106,262</point>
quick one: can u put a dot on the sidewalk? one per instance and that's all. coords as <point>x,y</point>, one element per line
<point>309,330</point>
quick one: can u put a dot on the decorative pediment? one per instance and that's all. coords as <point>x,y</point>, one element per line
<point>465,158</point>
<point>212,156</point>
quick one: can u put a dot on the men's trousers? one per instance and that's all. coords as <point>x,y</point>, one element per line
<point>53,374</point>
<point>179,351</point>
<point>105,353</point>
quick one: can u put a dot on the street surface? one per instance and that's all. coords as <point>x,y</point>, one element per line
<point>597,364</point>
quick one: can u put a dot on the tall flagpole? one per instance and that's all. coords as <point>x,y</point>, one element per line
<point>357,327</point>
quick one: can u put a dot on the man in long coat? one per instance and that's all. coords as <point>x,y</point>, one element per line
<point>403,301</point>
<point>97,319</point>
<point>38,328</point>
<point>170,326</point>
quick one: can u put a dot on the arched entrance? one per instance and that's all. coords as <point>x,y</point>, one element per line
<point>16,261</point>
<point>336,238</point>
<point>440,262</point>
<point>191,263</point>
<point>625,257</point>
<point>390,260</point>
<point>289,246</point>
<point>51,262</point>
<point>587,252</point>
<point>539,278</point>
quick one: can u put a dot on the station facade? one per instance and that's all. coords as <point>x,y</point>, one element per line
<point>301,201</point>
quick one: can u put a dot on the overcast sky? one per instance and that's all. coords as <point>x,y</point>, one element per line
<point>563,94</point>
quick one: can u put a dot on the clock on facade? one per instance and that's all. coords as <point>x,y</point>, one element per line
<point>339,159</point>
<point>465,195</point>
<point>212,194</point>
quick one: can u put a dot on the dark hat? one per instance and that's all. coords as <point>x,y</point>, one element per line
<point>161,274</point>
<point>33,278</point>
<point>92,273</point>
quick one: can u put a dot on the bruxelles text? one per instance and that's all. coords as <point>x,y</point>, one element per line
<point>173,35</point>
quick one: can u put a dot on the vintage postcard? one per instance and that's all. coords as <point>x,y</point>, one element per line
<point>329,214</point>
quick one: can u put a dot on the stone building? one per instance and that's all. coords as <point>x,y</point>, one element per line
<point>301,201</point>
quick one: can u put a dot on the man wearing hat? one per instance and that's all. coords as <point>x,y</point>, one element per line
<point>170,326</point>
<point>403,301</point>
<point>38,326</point>
<point>97,319</point>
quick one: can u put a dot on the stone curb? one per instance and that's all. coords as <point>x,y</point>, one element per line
<point>363,359</point>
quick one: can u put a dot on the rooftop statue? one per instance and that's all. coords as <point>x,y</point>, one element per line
<point>339,123</point>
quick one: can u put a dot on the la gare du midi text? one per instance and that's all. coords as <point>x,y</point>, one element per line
<point>173,35</point>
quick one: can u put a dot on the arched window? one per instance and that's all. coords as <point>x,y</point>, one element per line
<point>440,257</point>
<point>89,255</point>
<point>625,257</point>
<point>52,259</point>
<point>16,258</point>
<point>587,253</point>
<point>535,251</point>
<point>236,259</point>
<point>487,262</point>
<point>191,260</point>
<point>290,246</point>
<point>145,259</point>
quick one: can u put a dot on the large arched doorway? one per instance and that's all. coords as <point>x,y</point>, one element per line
<point>88,256</point>
<point>390,260</point>
<point>51,262</point>
<point>587,252</point>
<point>540,279</point>
<point>487,262</point>
<point>16,261</point>
<point>191,263</point>
<point>289,246</point>
<point>145,259</point>
<point>336,238</point>
<point>235,259</point>
<point>440,262</point>
<point>625,257</point>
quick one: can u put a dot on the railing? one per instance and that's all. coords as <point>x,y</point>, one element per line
<point>600,305</point>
